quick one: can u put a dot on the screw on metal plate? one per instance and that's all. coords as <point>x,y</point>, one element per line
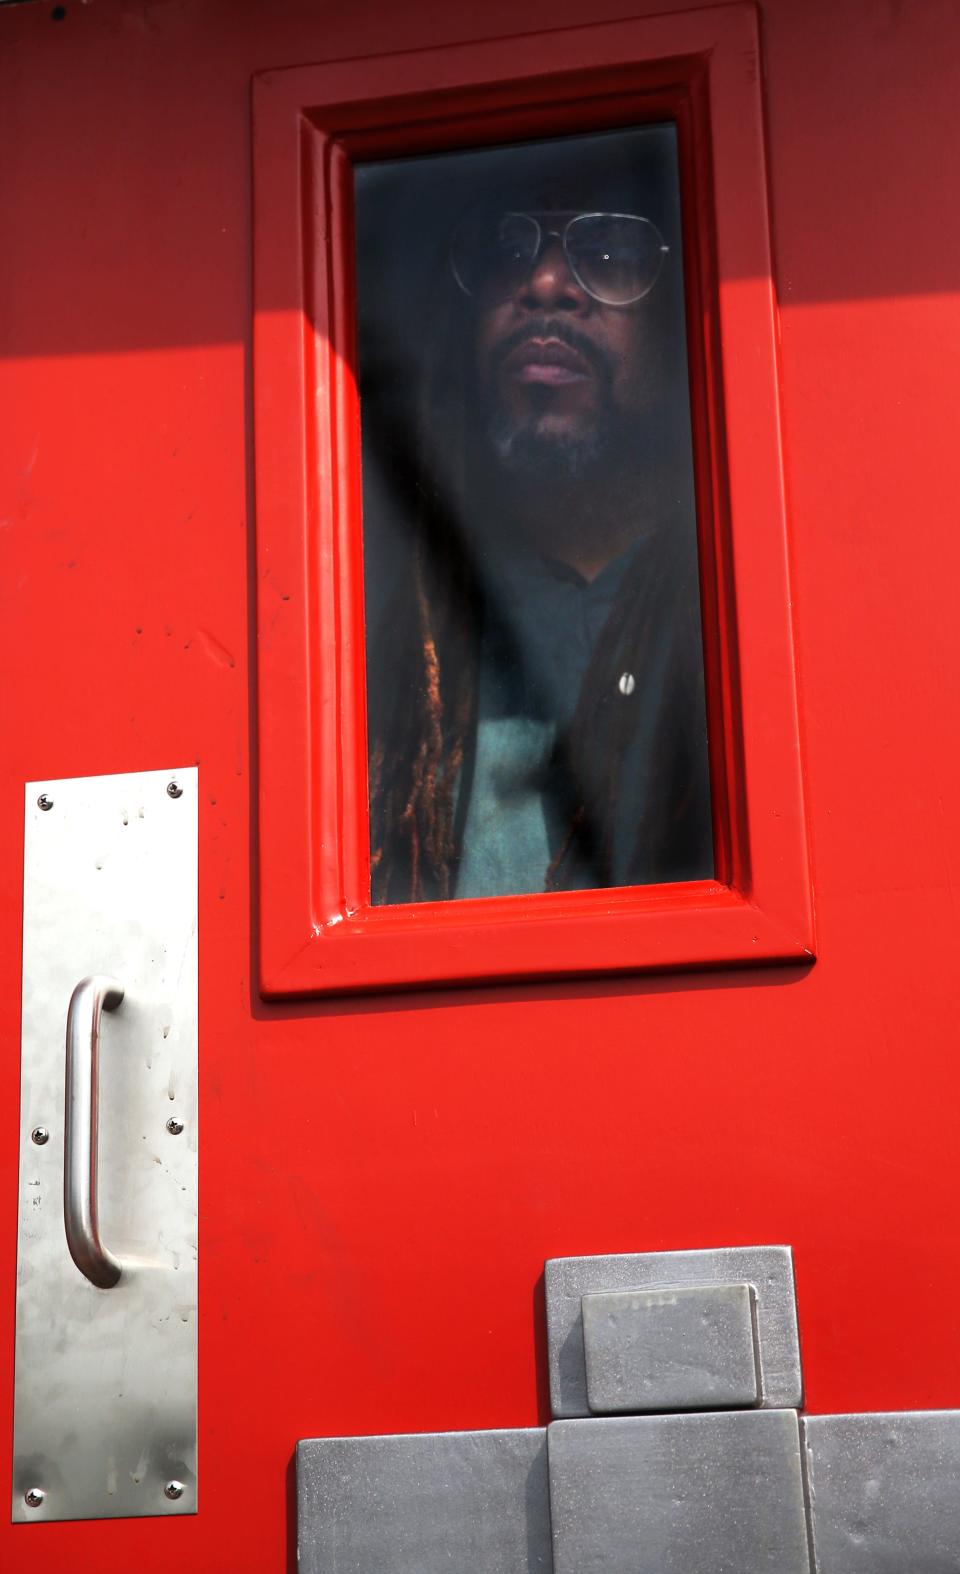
<point>33,1497</point>
<point>40,1135</point>
<point>173,1490</point>
<point>174,1125</point>
<point>174,790</point>
<point>627,684</point>
<point>44,801</point>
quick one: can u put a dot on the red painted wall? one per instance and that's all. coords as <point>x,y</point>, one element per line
<point>382,1179</point>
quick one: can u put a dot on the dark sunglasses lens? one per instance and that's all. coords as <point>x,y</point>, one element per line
<point>617,257</point>
<point>492,255</point>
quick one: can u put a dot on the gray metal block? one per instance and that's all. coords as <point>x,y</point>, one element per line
<point>682,1349</point>
<point>885,1492</point>
<point>769,1269</point>
<point>424,1503</point>
<point>689,1494</point>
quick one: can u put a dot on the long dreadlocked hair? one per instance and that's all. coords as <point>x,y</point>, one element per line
<point>423,662</point>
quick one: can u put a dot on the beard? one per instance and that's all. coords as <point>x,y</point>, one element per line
<point>538,449</point>
<point>536,453</point>
<point>531,448</point>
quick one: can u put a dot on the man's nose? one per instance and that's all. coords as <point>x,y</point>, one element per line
<point>550,285</point>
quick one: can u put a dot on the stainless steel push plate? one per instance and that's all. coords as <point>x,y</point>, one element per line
<point>105,1395</point>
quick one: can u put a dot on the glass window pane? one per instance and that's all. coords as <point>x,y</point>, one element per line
<point>534,656</point>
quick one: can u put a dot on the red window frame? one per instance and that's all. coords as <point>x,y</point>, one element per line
<point>318,930</point>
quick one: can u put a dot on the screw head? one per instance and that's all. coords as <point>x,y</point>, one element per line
<point>627,684</point>
<point>33,1497</point>
<point>174,790</point>
<point>40,1135</point>
<point>173,1490</point>
<point>174,1125</point>
<point>44,801</point>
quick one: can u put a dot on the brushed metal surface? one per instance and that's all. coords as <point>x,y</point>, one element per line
<point>426,1503</point>
<point>768,1269</point>
<point>679,1494</point>
<point>680,1349</point>
<point>105,1384</point>
<point>81,1147</point>
<point>885,1492</point>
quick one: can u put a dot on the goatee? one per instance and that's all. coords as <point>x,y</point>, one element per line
<point>534,454</point>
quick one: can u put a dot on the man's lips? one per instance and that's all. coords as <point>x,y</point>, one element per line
<point>547,361</point>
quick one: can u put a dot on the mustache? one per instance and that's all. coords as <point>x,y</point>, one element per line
<point>554,328</point>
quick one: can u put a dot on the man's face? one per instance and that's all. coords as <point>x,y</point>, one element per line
<point>562,375</point>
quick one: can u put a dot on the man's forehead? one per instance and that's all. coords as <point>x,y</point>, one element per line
<point>557,200</point>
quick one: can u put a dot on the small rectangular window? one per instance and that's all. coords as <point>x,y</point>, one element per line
<point>535,675</point>
<point>521,523</point>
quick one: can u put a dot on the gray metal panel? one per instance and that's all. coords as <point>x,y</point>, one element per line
<point>105,1395</point>
<point>688,1494</point>
<point>680,1349</point>
<point>425,1503</point>
<point>885,1492</point>
<point>769,1269</point>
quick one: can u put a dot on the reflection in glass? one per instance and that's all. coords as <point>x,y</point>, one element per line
<point>535,693</point>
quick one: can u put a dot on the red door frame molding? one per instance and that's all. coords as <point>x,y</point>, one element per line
<point>318,931</point>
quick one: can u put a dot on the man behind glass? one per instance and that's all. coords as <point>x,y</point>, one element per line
<point>536,685</point>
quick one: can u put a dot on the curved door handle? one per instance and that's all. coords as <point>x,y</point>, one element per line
<point>91,997</point>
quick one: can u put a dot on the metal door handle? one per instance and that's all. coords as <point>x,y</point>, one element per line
<point>91,997</point>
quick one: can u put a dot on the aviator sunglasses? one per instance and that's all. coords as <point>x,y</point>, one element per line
<point>615,257</point>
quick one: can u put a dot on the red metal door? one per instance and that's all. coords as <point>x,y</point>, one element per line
<point>382,1177</point>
